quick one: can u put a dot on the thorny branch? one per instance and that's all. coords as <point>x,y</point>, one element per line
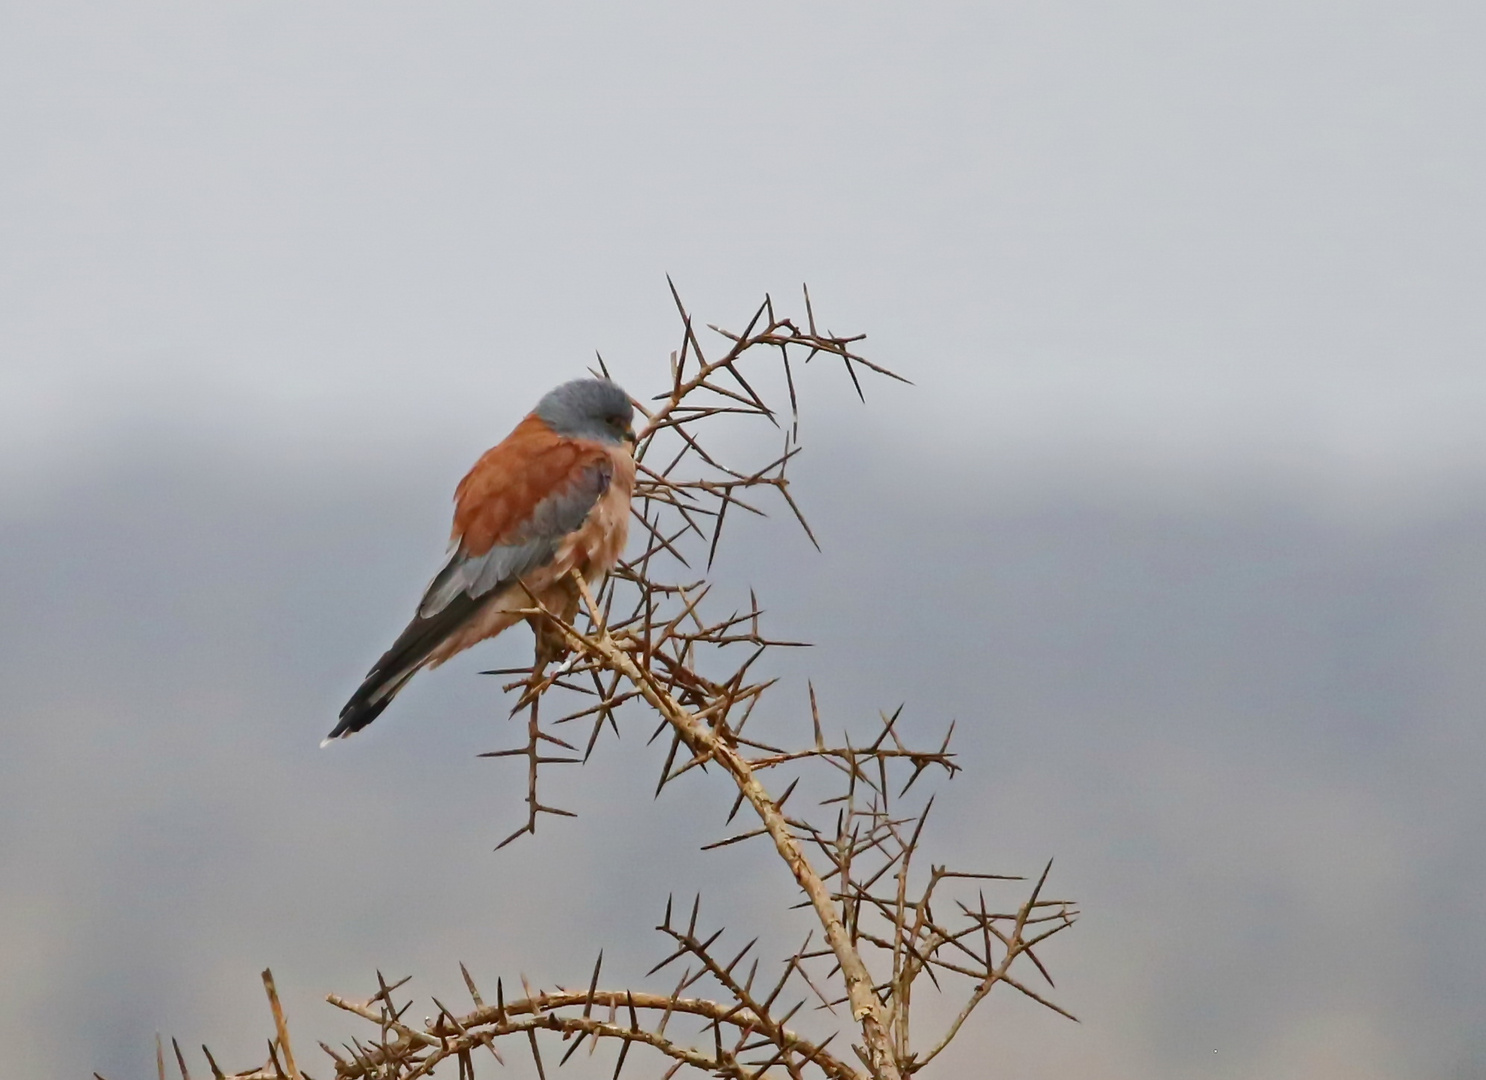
<point>649,642</point>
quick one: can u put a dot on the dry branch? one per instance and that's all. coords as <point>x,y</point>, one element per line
<point>649,644</point>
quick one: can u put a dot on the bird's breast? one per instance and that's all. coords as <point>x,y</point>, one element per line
<point>597,544</point>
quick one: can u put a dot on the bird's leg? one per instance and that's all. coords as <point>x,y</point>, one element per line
<point>550,644</point>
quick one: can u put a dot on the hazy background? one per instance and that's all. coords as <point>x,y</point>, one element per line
<point>1182,522</point>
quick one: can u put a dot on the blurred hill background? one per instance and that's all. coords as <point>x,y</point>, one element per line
<point>1182,521</point>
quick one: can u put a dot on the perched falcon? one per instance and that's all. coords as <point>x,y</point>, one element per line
<point>553,497</point>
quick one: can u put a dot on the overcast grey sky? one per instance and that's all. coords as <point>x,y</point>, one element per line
<point>1193,470</point>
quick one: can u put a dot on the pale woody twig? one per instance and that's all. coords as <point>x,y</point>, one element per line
<point>650,637</point>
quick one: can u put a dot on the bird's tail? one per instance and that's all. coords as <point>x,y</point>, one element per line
<point>372,696</point>
<point>412,649</point>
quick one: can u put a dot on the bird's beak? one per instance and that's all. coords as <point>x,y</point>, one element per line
<point>629,435</point>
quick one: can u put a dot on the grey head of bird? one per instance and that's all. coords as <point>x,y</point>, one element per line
<point>589,409</point>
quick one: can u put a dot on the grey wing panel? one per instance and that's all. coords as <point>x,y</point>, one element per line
<point>565,511</point>
<point>464,575</point>
<point>532,546</point>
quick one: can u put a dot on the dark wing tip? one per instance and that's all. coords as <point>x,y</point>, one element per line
<point>400,663</point>
<point>357,714</point>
